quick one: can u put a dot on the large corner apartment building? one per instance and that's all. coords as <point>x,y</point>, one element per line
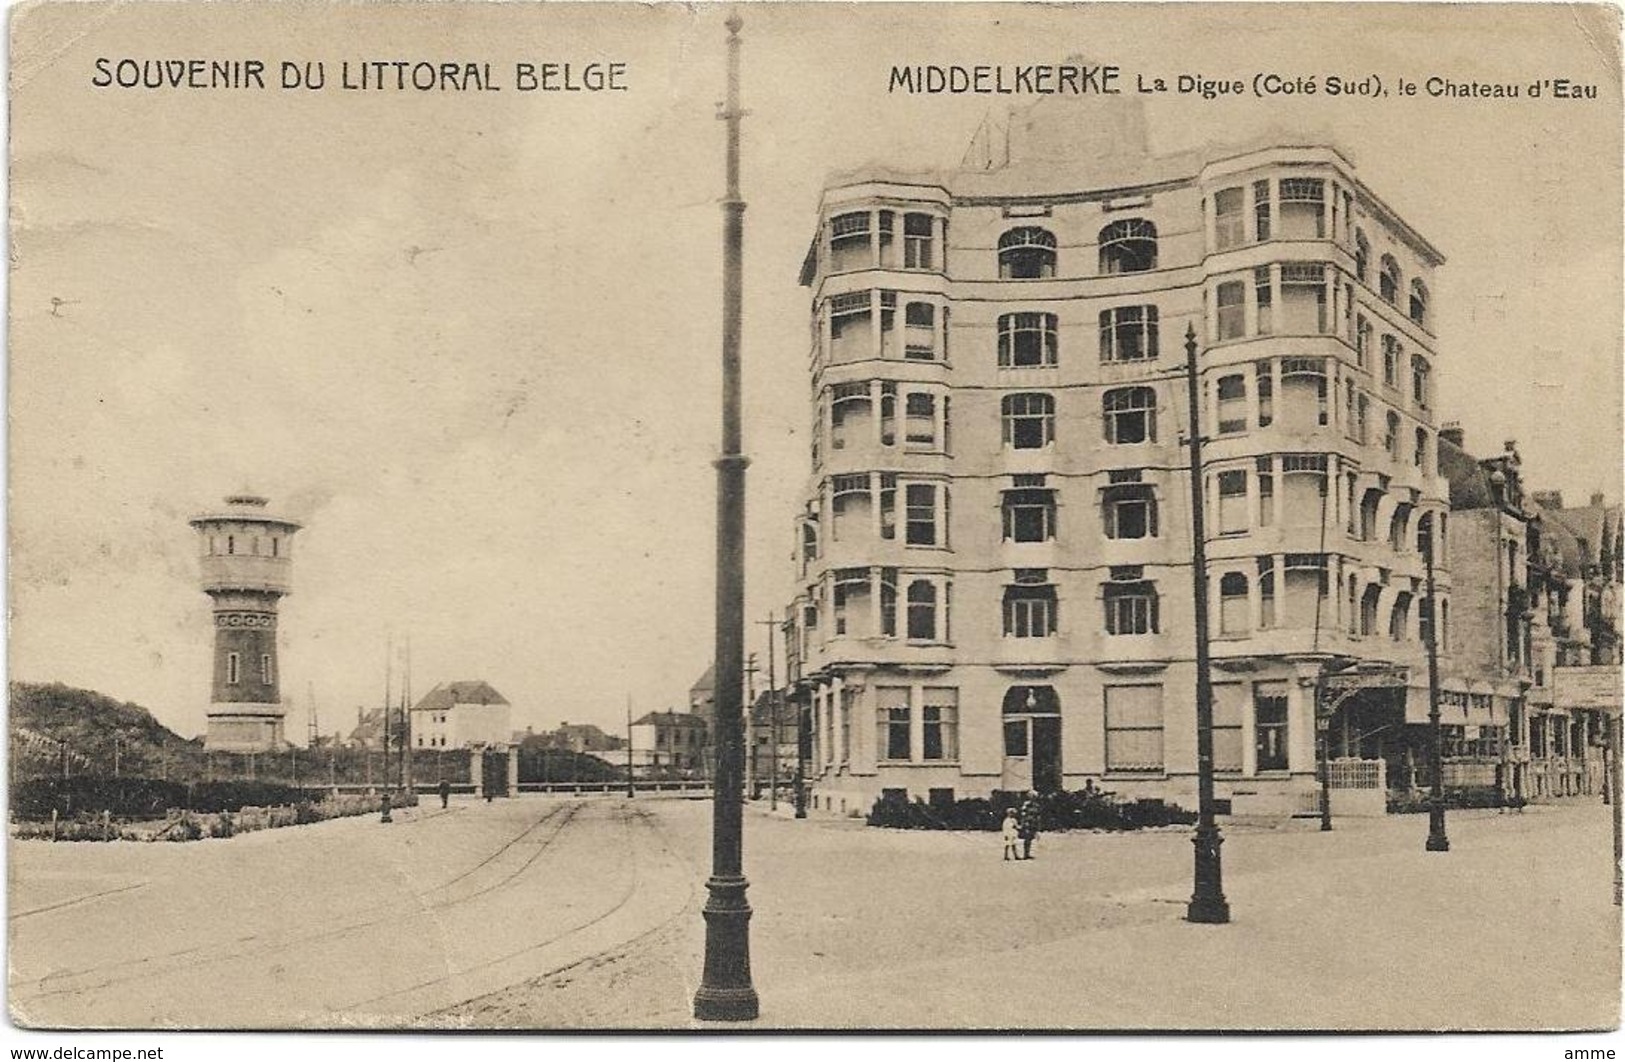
<point>994,556</point>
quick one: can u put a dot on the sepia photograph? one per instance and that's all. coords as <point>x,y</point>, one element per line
<point>814,518</point>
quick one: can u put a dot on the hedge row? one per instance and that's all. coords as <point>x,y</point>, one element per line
<point>1084,809</point>
<point>183,825</point>
<point>1482,796</point>
<point>33,799</point>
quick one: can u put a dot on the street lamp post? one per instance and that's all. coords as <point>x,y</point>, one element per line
<point>1207,899</point>
<point>1613,807</point>
<point>1323,746</point>
<point>726,992</point>
<point>1437,841</point>
<point>803,750</point>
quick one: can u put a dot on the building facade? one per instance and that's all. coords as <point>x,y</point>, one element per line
<point>668,745</point>
<point>994,554</point>
<point>246,571</point>
<point>460,715</point>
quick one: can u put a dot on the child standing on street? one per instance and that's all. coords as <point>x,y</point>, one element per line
<point>1010,834</point>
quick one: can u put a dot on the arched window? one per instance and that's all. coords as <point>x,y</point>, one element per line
<point>1399,528</point>
<point>1130,414</point>
<point>1029,421</point>
<point>1027,253</point>
<point>1419,303</point>
<point>1390,441</point>
<point>1131,607</point>
<point>1422,449</point>
<point>1388,283</point>
<point>1420,378</point>
<point>1399,619</point>
<point>1128,246</point>
<point>1031,700</point>
<point>1027,340</point>
<point>1362,255</point>
<point>1233,605</point>
<point>1128,333</point>
<point>1129,510</point>
<point>1030,606</point>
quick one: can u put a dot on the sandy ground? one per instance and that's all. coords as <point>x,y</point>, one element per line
<point>1357,929</point>
<point>553,913</point>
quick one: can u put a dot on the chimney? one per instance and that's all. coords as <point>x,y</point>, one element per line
<point>1452,433</point>
<point>1596,499</point>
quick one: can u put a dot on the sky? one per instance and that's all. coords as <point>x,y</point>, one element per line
<point>472,340</point>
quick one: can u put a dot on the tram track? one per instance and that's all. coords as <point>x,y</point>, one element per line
<point>106,975</point>
<point>635,882</point>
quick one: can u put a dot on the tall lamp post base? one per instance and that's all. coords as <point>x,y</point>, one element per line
<point>726,992</point>
<point>1208,904</point>
<point>1437,841</point>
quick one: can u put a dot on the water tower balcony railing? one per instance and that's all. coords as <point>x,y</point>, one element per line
<point>237,572</point>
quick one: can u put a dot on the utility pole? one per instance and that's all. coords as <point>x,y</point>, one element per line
<point>773,725</point>
<point>1207,899</point>
<point>726,992</point>
<point>803,754</point>
<point>630,791</point>
<point>752,787</point>
<point>1437,841</point>
<point>389,683</point>
<point>406,718</point>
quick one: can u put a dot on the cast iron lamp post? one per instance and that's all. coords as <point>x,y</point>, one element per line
<point>1207,899</point>
<point>1437,841</point>
<point>726,992</point>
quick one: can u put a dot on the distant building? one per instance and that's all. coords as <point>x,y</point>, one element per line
<point>582,737</point>
<point>702,696</point>
<point>459,715</point>
<point>764,732</point>
<point>369,729</point>
<point>669,743</point>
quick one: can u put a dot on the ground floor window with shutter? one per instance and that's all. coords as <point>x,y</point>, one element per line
<point>1134,728</point>
<point>1269,725</point>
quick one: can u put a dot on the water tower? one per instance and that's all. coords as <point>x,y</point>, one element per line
<point>246,567</point>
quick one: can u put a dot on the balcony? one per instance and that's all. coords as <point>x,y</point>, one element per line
<point>237,572</point>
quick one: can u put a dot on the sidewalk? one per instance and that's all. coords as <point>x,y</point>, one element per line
<point>1358,929</point>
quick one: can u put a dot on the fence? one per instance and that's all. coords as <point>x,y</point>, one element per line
<point>1356,774</point>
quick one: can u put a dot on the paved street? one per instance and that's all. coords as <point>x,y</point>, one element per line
<point>551,913</point>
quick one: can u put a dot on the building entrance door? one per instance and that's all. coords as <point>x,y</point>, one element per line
<point>1032,739</point>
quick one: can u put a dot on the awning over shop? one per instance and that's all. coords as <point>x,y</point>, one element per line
<point>1460,704</point>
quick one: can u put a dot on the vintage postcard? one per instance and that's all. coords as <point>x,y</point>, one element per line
<point>546,516</point>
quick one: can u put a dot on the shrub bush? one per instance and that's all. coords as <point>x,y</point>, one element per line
<point>141,798</point>
<point>1481,796</point>
<point>1083,809</point>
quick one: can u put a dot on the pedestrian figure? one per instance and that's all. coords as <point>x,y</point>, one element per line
<point>1010,834</point>
<point>445,793</point>
<point>1027,824</point>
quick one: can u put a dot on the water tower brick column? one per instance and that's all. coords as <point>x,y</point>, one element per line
<point>246,563</point>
